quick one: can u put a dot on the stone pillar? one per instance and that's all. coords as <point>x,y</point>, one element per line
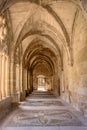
<point>28,79</point>
<point>18,81</point>
<point>22,88</point>
<point>6,76</point>
<point>14,82</point>
<point>31,80</point>
<point>0,76</point>
<point>62,85</point>
<point>3,76</point>
<point>24,82</point>
<point>20,77</point>
<point>8,92</point>
<point>52,84</point>
<point>11,77</point>
<point>7,89</point>
<point>55,84</point>
<point>62,82</point>
<point>28,89</point>
<point>25,79</point>
<point>17,78</point>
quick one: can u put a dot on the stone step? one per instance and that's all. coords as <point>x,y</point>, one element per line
<point>41,99</point>
<point>41,103</point>
<point>42,92</point>
<point>41,96</point>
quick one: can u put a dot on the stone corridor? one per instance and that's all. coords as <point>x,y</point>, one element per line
<point>43,64</point>
<point>44,110</point>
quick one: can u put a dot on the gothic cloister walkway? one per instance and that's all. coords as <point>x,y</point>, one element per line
<point>43,110</point>
<point>43,64</point>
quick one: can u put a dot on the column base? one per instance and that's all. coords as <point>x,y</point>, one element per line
<point>22,96</point>
<point>5,107</point>
<point>28,92</point>
<point>16,97</point>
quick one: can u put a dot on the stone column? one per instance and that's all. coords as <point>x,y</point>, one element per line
<point>3,76</point>
<point>6,78</point>
<point>24,79</point>
<point>31,80</point>
<point>20,77</point>
<point>18,81</point>
<point>55,84</point>
<point>17,78</point>
<point>24,82</point>
<point>52,84</point>
<point>62,82</point>
<point>0,76</point>
<point>28,80</point>
<point>22,89</point>
<point>14,81</point>
<point>28,83</point>
<point>7,87</point>
<point>12,77</point>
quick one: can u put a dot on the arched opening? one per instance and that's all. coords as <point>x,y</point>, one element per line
<point>42,68</point>
<point>42,77</point>
<point>41,83</point>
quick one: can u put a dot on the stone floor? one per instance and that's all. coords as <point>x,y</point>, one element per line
<point>44,111</point>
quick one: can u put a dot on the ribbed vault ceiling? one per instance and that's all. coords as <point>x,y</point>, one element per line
<point>43,28</point>
<point>4,4</point>
<point>38,54</point>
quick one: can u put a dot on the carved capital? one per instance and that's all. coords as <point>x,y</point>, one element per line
<point>3,29</point>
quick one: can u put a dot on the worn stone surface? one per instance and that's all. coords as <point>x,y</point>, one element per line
<point>43,118</point>
<point>63,115</point>
<point>48,38</point>
<point>5,107</point>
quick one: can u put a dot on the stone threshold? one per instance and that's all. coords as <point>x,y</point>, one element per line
<point>44,108</point>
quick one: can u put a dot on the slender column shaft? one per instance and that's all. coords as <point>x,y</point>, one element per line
<point>3,76</point>
<point>25,79</point>
<point>17,78</point>
<point>0,76</point>
<point>20,73</point>
<point>7,77</point>
<point>12,78</point>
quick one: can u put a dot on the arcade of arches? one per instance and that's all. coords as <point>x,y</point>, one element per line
<point>43,45</point>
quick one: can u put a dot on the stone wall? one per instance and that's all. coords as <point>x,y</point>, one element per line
<point>80,56</point>
<point>76,75</point>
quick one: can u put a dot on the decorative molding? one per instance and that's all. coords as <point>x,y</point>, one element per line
<point>3,35</point>
<point>72,35</point>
